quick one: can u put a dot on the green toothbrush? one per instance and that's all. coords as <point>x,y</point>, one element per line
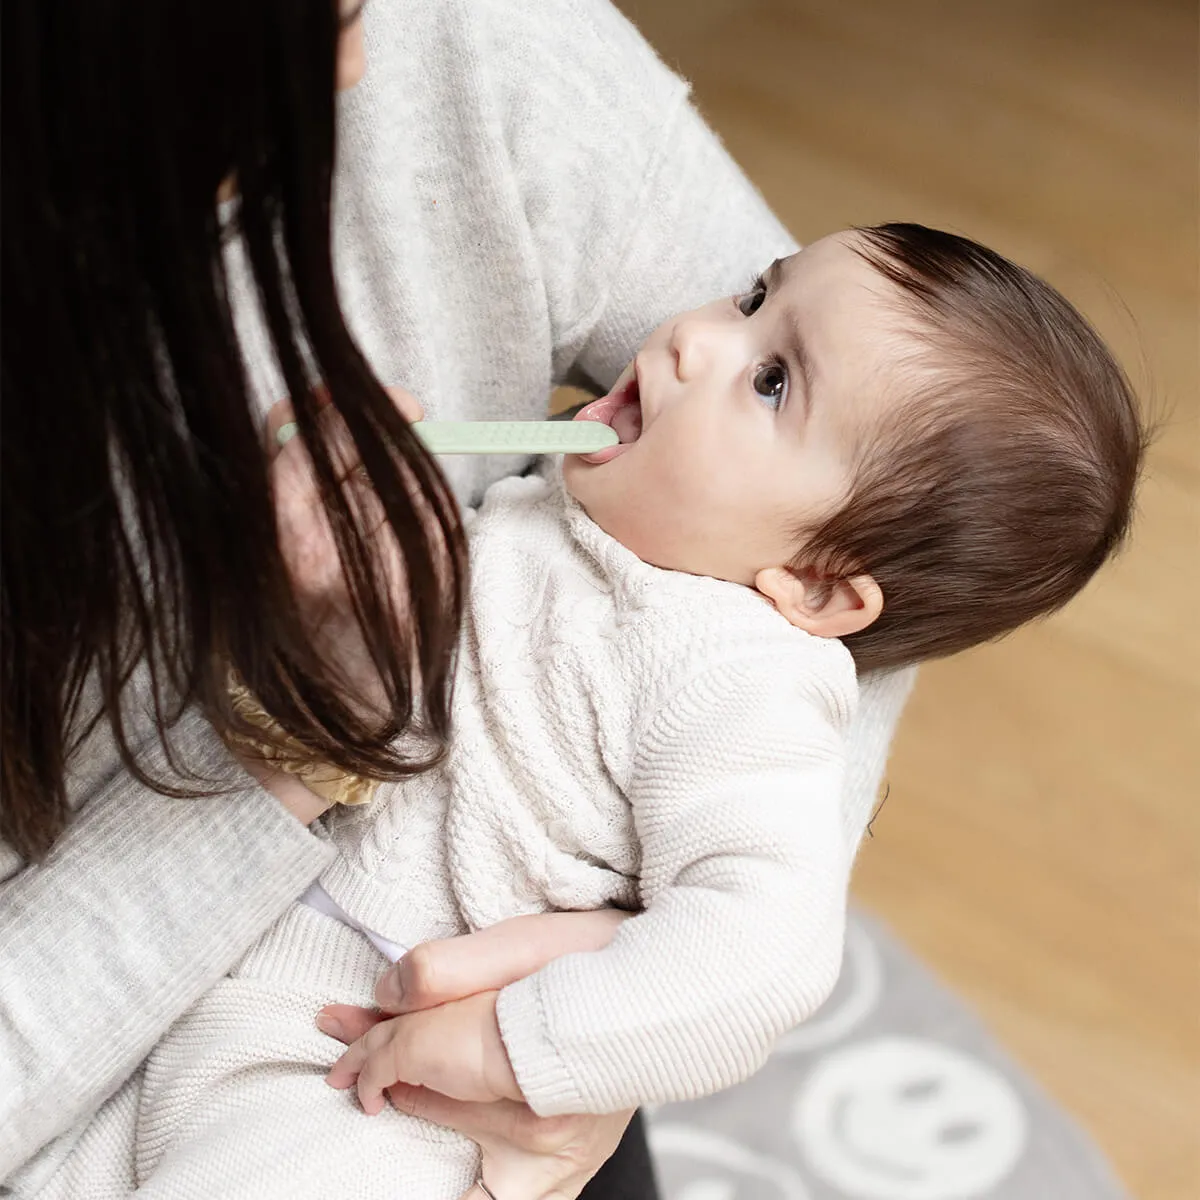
<point>502,437</point>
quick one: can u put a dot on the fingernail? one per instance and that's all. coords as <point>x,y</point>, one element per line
<point>389,992</point>
<point>331,1026</point>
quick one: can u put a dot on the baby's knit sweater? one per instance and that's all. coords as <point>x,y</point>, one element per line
<point>628,736</point>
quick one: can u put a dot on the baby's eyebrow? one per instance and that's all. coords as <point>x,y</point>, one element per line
<point>796,351</point>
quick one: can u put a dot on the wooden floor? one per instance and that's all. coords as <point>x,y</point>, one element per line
<point>1040,844</point>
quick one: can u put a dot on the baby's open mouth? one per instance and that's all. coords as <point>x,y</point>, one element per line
<point>621,409</point>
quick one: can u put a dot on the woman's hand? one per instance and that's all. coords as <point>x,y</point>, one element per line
<point>525,1157</point>
<point>305,537</point>
<point>314,568</point>
<point>307,544</point>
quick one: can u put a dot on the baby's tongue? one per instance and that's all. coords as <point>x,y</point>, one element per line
<point>599,410</point>
<point>621,410</point>
<point>627,421</point>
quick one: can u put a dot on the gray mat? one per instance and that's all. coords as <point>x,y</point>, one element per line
<point>893,1091</point>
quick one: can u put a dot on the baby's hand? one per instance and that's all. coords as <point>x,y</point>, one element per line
<point>455,1049</point>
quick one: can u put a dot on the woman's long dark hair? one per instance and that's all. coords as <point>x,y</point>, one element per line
<point>137,518</point>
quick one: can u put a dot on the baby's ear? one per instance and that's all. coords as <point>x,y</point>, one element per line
<point>819,605</point>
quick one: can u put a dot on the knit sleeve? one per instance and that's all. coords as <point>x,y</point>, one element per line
<point>141,906</point>
<point>745,867</point>
<point>701,230</point>
<point>634,209</point>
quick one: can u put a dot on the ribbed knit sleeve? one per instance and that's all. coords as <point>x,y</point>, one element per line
<point>142,905</point>
<point>736,793</point>
<point>633,209</point>
<point>701,230</point>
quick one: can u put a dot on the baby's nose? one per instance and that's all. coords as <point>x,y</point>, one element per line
<point>688,345</point>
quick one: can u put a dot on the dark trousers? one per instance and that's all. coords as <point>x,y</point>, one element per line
<point>629,1174</point>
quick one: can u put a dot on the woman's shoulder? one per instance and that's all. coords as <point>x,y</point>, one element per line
<point>532,45</point>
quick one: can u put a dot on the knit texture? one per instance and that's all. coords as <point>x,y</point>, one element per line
<point>623,735</point>
<point>633,737</point>
<point>515,206</point>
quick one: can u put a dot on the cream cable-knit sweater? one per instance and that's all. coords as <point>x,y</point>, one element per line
<point>625,736</point>
<point>622,735</point>
<point>516,205</point>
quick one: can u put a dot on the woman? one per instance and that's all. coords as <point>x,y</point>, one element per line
<point>521,192</point>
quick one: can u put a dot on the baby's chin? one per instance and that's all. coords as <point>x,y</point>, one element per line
<point>597,490</point>
<point>579,479</point>
<point>612,498</point>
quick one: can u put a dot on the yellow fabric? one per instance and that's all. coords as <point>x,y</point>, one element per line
<point>327,781</point>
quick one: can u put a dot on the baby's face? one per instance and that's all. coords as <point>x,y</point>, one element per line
<point>740,421</point>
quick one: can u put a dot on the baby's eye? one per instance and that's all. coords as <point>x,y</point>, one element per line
<point>770,382</point>
<point>749,303</point>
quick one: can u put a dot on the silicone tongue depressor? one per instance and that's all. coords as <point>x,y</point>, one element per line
<point>515,437</point>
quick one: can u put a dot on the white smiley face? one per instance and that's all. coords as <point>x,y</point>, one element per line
<point>905,1119</point>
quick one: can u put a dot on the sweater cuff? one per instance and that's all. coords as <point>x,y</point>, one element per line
<point>541,1073</point>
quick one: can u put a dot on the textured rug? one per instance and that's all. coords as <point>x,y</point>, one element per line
<point>893,1091</point>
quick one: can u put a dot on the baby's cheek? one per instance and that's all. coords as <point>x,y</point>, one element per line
<point>669,527</point>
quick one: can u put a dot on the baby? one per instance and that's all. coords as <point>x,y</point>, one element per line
<point>893,446</point>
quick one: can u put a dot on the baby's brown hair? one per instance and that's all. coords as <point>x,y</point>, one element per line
<point>997,491</point>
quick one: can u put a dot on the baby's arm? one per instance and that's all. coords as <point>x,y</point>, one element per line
<point>745,866</point>
<point>736,792</point>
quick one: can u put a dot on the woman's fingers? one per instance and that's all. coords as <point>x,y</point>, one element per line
<point>579,1151</point>
<point>437,972</point>
<point>409,406</point>
<point>525,1157</point>
<point>280,414</point>
<point>305,534</point>
<point>491,1122</point>
<point>283,412</point>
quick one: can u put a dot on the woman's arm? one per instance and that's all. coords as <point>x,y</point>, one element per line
<point>146,901</point>
<point>635,211</point>
<point>142,904</point>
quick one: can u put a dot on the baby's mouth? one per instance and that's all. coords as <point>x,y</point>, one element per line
<point>621,409</point>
